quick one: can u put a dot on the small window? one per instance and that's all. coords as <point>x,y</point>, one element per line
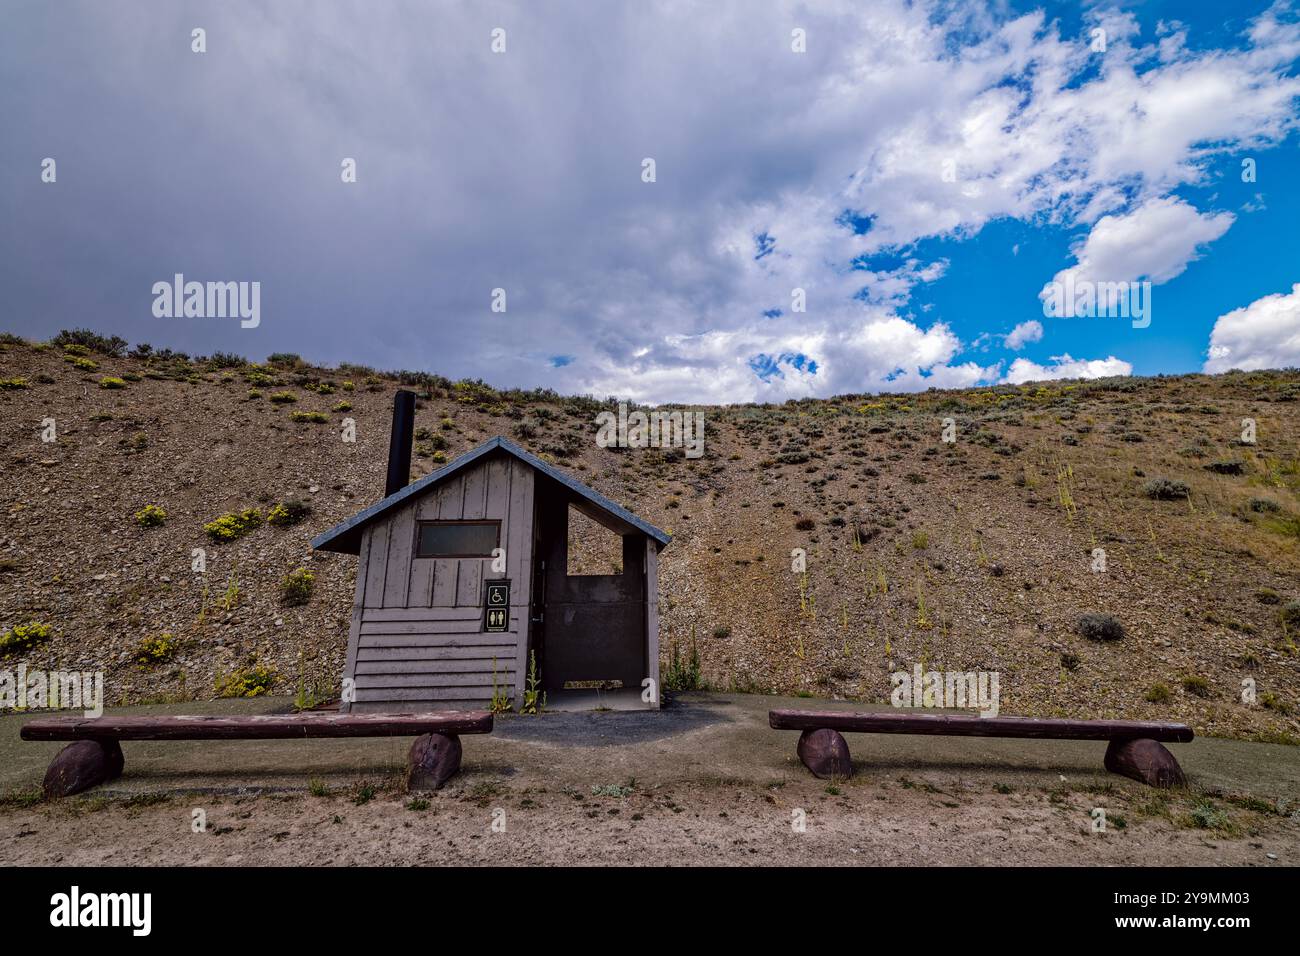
<point>457,539</point>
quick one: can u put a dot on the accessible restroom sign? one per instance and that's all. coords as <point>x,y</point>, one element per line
<point>496,606</point>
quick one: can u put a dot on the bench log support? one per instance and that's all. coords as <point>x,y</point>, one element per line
<point>435,758</point>
<point>82,765</point>
<point>826,753</point>
<point>1146,761</point>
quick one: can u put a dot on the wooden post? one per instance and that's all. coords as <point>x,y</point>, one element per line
<point>354,628</point>
<point>652,616</point>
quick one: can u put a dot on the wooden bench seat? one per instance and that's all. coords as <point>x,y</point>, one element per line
<point>96,755</point>
<point>1134,750</point>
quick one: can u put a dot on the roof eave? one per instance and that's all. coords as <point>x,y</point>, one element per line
<point>345,537</point>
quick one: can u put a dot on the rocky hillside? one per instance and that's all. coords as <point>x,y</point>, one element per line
<point>975,554</point>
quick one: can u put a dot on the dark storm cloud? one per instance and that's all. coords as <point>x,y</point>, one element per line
<point>475,171</point>
<point>522,171</point>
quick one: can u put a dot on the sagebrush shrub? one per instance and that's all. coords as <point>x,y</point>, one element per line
<point>288,513</point>
<point>1166,489</point>
<point>1158,694</point>
<point>155,650</point>
<point>251,681</point>
<point>296,587</point>
<point>150,516</point>
<point>234,525</point>
<point>91,341</point>
<point>1100,627</point>
<point>23,638</point>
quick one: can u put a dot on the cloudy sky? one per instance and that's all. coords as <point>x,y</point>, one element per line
<point>920,171</point>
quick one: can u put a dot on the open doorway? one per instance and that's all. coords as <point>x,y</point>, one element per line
<point>589,620</point>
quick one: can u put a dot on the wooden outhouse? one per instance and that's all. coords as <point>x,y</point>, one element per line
<point>464,573</point>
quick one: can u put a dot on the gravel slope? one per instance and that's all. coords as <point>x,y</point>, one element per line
<point>974,555</point>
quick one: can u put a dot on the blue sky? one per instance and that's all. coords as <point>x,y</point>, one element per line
<point>1258,255</point>
<point>915,175</point>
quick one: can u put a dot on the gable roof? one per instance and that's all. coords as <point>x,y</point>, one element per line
<point>345,536</point>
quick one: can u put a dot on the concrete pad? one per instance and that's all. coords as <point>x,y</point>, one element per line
<point>625,698</point>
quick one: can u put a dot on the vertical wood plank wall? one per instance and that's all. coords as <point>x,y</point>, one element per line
<point>417,641</point>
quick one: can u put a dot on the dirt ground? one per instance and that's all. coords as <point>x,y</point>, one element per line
<point>703,782</point>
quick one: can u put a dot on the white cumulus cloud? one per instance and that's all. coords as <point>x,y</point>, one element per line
<point>1156,241</point>
<point>1264,334</point>
<point>1023,334</point>
<point>1063,366</point>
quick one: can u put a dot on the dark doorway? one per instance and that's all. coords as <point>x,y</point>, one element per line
<point>592,629</point>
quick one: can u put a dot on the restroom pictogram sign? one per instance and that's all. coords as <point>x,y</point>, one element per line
<point>496,606</point>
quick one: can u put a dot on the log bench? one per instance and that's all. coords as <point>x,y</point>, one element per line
<point>1134,749</point>
<point>96,755</point>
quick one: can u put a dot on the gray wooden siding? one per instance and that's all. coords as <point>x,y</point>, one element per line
<point>417,640</point>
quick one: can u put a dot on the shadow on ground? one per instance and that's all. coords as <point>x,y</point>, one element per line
<point>607,728</point>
